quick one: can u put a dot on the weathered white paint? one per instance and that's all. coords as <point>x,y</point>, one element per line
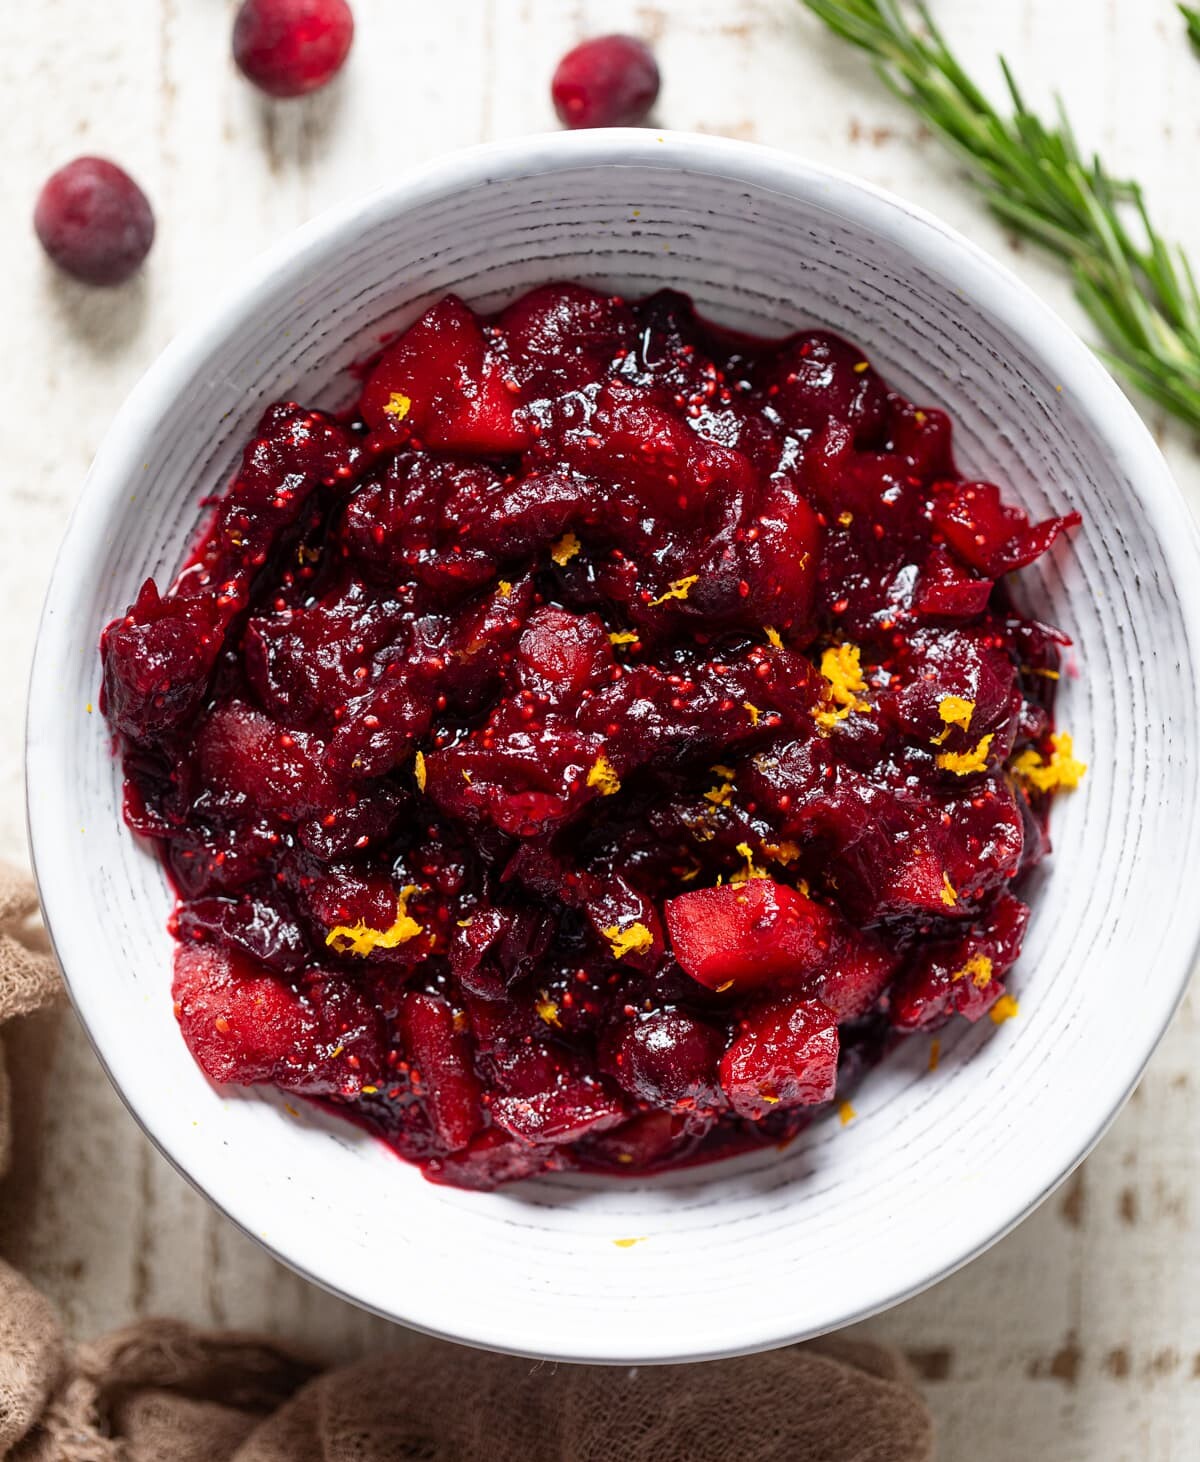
<point>1076,1338</point>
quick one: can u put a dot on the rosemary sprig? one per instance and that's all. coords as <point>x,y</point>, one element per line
<point>1192,20</point>
<point>1138,290</point>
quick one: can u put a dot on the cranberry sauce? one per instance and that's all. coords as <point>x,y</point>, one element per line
<point>579,753</point>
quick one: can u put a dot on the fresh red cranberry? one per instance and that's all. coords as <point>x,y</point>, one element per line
<point>94,221</point>
<point>785,1055</point>
<point>292,47</point>
<point>611,81</point>
<point>667,1058</point>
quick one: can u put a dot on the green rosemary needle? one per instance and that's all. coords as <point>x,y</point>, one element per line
<point>1192,19</point>
<point>1138,291</point>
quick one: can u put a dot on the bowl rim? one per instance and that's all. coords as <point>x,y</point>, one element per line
<point>982,278</point>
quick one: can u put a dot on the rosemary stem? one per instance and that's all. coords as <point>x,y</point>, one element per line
<point>1138,291</point>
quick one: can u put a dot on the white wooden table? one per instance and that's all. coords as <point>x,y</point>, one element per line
<point>1078,1337</point>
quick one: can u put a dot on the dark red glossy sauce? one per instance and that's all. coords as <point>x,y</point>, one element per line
<point>577,754</point>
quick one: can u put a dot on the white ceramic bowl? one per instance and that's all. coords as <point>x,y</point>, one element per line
<point>773,1246</point>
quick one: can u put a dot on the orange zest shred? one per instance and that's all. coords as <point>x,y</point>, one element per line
<point>720,795</point>
<point>630,940</point>
<point>505,588</point>
<point>841,665</point>
<point>604,776</point>
<point>751,869</point>
<point>1062,770</point>
<point>753,712</point>
<point>398,406</point>
<point>629,1243</point>
<point>963,763</point>
<point>677,590</point>
<point>1004,1009</point>
<point>419,769</point>
<point>548,1010</point>
<point>565,549</point>
<point>949,892</point>
<point>773,637</point>
<point>846,1113</point>
<point>361,939</point>
<point>954,711</point>
<point>624,637</point>
<point>979,968</point>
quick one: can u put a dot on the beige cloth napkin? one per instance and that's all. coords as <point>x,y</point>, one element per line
<point>161,1391</point>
